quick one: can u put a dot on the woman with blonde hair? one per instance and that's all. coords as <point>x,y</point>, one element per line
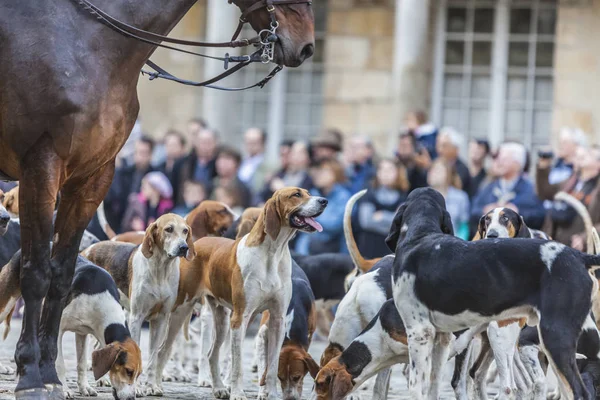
<point>377,208</point>
<point>443,178</point>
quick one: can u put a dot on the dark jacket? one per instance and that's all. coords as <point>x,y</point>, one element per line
<point>169,173</point>
<point>138,208</point>
<point>125,182</point>
<point>530,206</point>
<point>360,176</point>
<point>562,221</point>
<point>463,173</point>
<point>184,170</point>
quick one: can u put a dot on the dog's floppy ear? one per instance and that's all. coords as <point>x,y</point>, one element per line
<point>191,253</point>
<point>272,219</point>
<point>447,224</point>
<point>198,223</point>
<point>522,230</point>
<point>481,228</point>
<point>103,360</point>
<point>392,239</point>
<point>311,364</point>
<point>341,385</point>
<point>149,240</point>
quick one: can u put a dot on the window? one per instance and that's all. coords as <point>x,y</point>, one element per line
<point>290,106</point>
<point>493,68</point>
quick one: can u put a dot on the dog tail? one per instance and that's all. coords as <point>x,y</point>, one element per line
<point>357,258</point>
<point>104,223</point>
<point>592,247</point>
<point>7,322</point>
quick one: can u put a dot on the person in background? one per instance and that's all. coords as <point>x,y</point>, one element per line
<point>227,165</point>
<point>198,166</point>
<point>563,223</point>
<point>174,143</point>
<point>327,145</point>
<point>377,208</point>
<point>448,145</point>
<point>125,156</point>
<point>128,180</point>
<point>194,193</point>
<point>193,127</point>
<point>445,180</point>
<point>510,189</point>
<point>568,142</point>
<point>478,152</point>
<point>425,132</point>
<point>361,169</point>
<point>253,170</point>
<point>415,164</point>
<point>230,194</point>
<point>329,179</point>
<point>295,174</point>
<point>154,200</point>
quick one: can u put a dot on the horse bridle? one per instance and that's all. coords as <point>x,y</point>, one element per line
<point>265,41</point>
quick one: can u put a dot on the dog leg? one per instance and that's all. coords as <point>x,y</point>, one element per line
<point>560,350</point>
<point>238,333</point>
<point>206,331</point>
<point>439,357</point>
<point>382,384</point>
<point>503,341</point>
<point>261,350</point>
<point>81,349</point>
<point>480,372</point>
<point>158,335</point>
<point>60,367</point>
<point>461,376</point>
<point>522,378</point>
<point>175,322</point>
<point>220,321</point>
<point>275,336</point>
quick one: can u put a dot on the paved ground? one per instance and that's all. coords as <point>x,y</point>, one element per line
<point>187,391</point>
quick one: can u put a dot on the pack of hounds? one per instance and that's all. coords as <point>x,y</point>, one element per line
<point>510,298</point>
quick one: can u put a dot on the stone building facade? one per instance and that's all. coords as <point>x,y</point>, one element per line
<point>496,69</point>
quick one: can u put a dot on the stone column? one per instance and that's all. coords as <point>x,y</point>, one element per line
<point>410,74</point>
<point>221,21</point>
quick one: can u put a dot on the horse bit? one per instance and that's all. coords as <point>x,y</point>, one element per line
<point>265,41</point>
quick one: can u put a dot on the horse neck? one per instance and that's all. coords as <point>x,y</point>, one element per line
<point>156,16</point>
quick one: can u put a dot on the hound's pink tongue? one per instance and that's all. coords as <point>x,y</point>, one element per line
<point>312,222</point>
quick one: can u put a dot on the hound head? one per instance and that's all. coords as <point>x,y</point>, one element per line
<point>294,364</point>
<point>123,363</point>
<point>424,209</point>
<point>247,221</point>
<point>501,222</point>
<point>333,382</point>
<point>290,207</point>
<point>11,201</point>
<point>210,218</point>
<point>331,351</point>
<point>171,236</point>
<point>4,215</point>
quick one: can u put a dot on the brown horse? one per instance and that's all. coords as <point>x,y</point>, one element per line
<point>68,102</point>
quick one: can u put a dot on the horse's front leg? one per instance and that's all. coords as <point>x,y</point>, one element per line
<point>79,201</point>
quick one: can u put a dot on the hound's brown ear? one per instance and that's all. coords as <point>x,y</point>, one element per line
<point>8,200</point>
<point>523,230</point>
<point>103,360</point>
<point>392,239</point>
<point>272,219</point>
<point>311,364</point>
<point>191,253</point>
<point>342,385</point>
<point>245,227</point>
<point>198,221</point>
<point>481,228</point>
<point>149,240</point>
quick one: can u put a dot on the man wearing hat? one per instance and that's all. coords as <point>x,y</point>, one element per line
<point>327,145</point>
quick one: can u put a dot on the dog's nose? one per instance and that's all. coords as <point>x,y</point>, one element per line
<point>492,235</point>
<point>183,250</point>
<point>323,201</point>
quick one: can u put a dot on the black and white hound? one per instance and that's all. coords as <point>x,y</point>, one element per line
<point>443,284</point>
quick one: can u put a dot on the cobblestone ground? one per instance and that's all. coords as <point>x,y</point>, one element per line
<point>188,391</point>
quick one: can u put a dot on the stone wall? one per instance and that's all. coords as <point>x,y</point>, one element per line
<point>165,104</point>
<point>577,68</point>
<point>358,67</point>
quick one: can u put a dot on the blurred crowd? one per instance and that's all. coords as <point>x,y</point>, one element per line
<point>184,168</point>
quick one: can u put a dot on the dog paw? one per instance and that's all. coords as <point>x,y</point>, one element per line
<point>154,390</point>
<point>204,382</point>
<point>353,397</point>
<point>6,370</point>
<point>87,391</point>
<point>222,393</point>
<point>103,382</point>
<point>554,395</point>
<point>139,392</point>
<point>238,396</point>
<point>69,394</point>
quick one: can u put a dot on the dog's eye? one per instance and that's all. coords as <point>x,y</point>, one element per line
<point>129,372</point>
<point>298,194</point>
<point>185,231</point>
<point>169,229</point>
<point>505,219</point>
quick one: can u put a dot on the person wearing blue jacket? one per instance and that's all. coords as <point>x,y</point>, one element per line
<point>328,178</point>
<point>511,189</point>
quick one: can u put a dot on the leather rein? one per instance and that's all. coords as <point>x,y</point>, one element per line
<point>264,41</point>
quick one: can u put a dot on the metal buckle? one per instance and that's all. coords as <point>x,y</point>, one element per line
<point>270,8</point>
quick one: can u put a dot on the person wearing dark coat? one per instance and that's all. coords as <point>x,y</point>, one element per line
<point>174,143</point>
<point>414,163</point>
<point>448,146</point>
<point>377,208</point>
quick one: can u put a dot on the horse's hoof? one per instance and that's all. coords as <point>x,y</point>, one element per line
<point>32,394</point>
